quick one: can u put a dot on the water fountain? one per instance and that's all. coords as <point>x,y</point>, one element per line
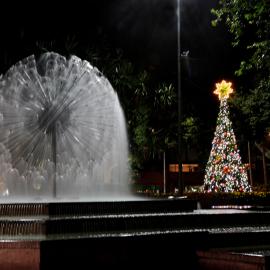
<point>62,133</point>
<point>64,172</point>
<point>64,194</point>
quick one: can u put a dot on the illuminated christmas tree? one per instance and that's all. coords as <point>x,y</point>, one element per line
<point>224,170</point>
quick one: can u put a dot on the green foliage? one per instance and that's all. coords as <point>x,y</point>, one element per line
<point>257,107</point>
<point>249,24</point>
<point>190,129</point>
<point>164,95</point>
<point>148,105</point>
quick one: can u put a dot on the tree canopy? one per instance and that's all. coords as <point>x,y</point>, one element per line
<point>249,24</point>
<point>149,105</point>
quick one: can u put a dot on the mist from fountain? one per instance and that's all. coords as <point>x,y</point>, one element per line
<point>62,133</point>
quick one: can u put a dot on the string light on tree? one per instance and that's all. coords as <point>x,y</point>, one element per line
<point>224,170</point>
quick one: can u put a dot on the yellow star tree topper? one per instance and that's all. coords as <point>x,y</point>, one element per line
<point>223,89</point>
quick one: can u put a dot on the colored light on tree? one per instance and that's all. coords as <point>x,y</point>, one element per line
<point>224,170</point>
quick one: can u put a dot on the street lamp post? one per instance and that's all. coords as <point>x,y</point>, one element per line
<point>179,92</point>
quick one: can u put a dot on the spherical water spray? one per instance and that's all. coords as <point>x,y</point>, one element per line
<point>62,132</point>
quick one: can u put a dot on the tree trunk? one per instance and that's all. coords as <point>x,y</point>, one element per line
<point>164,172</point>
<point>264,167</point>
<point>250,165</point>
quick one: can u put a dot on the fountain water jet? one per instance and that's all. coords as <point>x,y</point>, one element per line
<point>62,133</point>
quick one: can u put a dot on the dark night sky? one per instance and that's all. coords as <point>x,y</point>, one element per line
<point>147,29</point>
<point>144,29</point>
